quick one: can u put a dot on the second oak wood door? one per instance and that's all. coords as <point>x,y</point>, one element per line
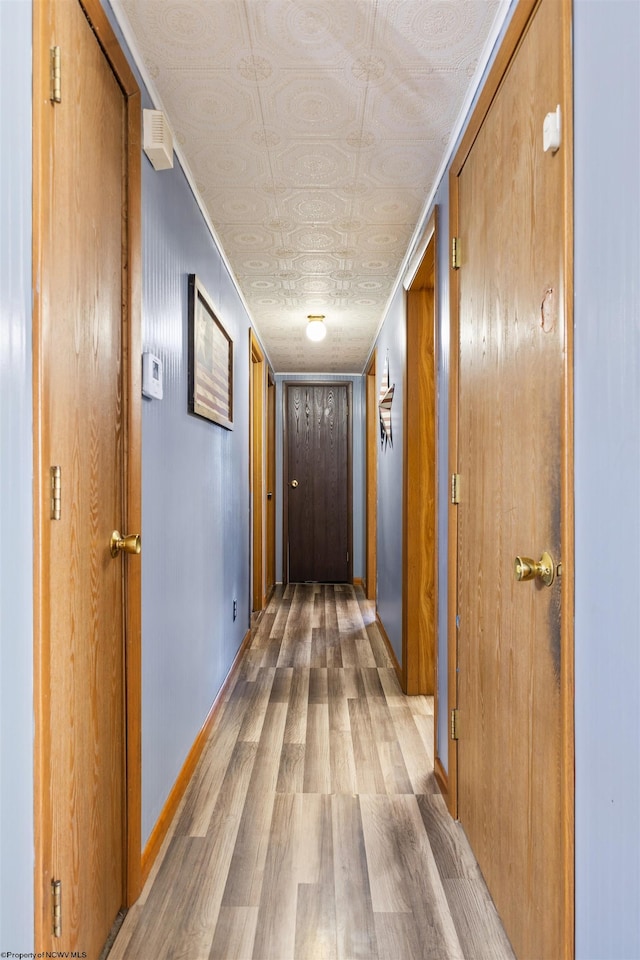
<point>512,328</point>
<point>318,477</point>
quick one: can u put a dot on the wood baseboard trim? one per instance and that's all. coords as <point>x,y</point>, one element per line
<point>441,776</point>
<point>159,832</point>
<point>391,651</point>
<point>359,582</point>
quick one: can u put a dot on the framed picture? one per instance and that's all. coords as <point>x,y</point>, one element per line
<point>210,360</point>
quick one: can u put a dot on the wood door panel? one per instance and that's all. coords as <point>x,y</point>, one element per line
<point>511,342</point>
<point>83,429</point>
<point>318,459</point>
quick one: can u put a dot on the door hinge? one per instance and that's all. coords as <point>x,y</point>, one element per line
<point>56,96</point>
<point>347,556</point>
<point>454,724</point>
<point>56,492</point>
<point>455,253</point>
<point>56,907</point>
<point>455,488</point>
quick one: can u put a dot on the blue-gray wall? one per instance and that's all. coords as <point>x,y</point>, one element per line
<point>391,346</point>
<point>358,455</point>
<point>195,494</point>
<point>16,469</point>
<point>607,477</point>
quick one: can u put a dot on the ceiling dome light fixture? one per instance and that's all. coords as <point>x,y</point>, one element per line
<point>316,329</point>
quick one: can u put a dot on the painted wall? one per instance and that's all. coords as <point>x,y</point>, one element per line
<point>391,345</point>
<point>607,478</point>
<point>358,456</point>
<point>16,470</point>
<point>195,495</point>
<point>195,488</point>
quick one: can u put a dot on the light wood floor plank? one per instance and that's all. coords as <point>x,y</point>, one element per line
<point>355,927</point>
<point>258,694</point>
<point>397,936</point>
<point>369,774</point>
<point>301,836</point>
<point>276,927</point>
<point>235,934</point>
<point>450,846</point>
<point>481,934</point>
<point>422,883</point>
<point>296,725</point>
<point>316,903</point>
<point>291,770</point>
<point>386,869</point>
<point>317,771</point>
<point>394,771</point>
<point>332,630</point>
<point>244,883</point>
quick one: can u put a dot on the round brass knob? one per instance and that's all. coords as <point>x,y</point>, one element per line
<point>544,569</point>
<point>294,483</point>
<point>132,543</point>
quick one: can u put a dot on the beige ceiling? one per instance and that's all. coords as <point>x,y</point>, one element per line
<point>313,132</point>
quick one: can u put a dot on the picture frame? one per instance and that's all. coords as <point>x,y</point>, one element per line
<point>210,360</point>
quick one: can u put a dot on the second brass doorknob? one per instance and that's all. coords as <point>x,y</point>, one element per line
<point>544,569</point>
<point>294,483</point>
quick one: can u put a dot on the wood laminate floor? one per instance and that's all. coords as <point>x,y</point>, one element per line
<point>313,828</point>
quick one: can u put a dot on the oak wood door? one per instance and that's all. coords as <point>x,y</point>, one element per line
<point>82,416</point>
<point>512,224</point>
<point>318,482</point>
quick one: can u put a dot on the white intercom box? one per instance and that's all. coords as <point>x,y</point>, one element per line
<point>151,376</point>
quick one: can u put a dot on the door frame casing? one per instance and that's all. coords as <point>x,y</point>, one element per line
<point>420,482</point>
<point>285,467</point>
<point>256,475</point>
<point>131,385</point>
<point>270,549</point>
<point>518,25</point>
<point>371,496</point>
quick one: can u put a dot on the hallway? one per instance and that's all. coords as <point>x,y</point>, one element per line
<point>313,826</point>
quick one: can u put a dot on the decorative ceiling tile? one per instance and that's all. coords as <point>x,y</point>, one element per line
<point>181,33</point>
<point>328,109</point>
<point>212,106</point>
<point>312,33</point>
<point>437,34</point>
<point>322,206</point>
<point>313,164</point>
<point>312,131</point>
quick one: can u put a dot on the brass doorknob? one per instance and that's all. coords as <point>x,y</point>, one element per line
<point>294,483</point>
<point>130,544</point>
<point>544,569</point>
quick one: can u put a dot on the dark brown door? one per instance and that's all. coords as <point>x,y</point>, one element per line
<point>318,481</point>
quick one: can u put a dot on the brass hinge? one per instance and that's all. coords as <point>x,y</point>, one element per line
<point>454,724</point>
<point>56,907</point>
<point>56,96</point>
<point>455,488</point>
<point>56,492</point>
<point>455,253</point>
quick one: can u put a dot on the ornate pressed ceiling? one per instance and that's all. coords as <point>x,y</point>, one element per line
<point>313,132</point>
